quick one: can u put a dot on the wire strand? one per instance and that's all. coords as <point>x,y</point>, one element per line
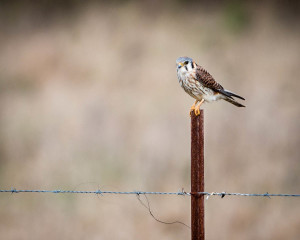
<point>154,217</point>
<point>179,193</point>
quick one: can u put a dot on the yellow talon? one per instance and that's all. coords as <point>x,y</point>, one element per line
<point>197,111</point>
<point>193,107</point>
<point>197,108</point>
<point>192,110</point>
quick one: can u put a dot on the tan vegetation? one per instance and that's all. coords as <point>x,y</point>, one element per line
<point>91,100</point>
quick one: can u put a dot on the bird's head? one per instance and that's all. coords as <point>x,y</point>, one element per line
<point>185,64</point>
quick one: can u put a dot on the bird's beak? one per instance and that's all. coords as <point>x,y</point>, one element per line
<point>179,65</point>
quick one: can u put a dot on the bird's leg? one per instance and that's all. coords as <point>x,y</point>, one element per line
<point>193,107</point>
<point>197,108</point>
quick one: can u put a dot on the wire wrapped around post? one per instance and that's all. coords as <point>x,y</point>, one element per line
<point>197,176</point>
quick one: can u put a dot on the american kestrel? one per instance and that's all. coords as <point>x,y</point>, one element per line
<point>199,84</point>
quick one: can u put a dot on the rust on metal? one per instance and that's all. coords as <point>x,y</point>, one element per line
<point>197,176</point>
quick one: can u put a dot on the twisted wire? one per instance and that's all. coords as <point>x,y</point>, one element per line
<point>182,193</point>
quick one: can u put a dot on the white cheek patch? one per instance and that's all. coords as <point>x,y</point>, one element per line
<point>190,66</point>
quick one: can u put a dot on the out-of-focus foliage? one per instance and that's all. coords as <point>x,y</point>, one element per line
<point>236,16</point>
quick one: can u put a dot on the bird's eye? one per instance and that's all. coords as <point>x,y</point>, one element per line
<point>186,62</point>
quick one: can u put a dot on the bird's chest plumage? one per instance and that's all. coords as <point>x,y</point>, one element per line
<point>190,84</point>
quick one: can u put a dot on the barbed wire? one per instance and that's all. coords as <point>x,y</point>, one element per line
<point>13,190</point>
<point>181,192</point>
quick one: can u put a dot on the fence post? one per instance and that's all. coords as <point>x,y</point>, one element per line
<point>197,176</point>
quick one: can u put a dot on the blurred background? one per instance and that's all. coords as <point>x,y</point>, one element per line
<point>89,99</point>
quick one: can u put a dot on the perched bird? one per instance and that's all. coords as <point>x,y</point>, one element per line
<point>199,84</point>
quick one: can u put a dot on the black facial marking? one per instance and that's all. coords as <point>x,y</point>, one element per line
<point>185,67</point>
<point>192,65</point>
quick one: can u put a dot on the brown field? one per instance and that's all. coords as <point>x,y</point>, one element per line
<point>89,99</point>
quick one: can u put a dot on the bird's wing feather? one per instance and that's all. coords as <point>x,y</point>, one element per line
<point>208,81</point>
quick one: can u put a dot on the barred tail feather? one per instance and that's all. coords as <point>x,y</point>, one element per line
<point>233,102</point>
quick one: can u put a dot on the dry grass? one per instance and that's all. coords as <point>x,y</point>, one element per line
<point>93,97</point>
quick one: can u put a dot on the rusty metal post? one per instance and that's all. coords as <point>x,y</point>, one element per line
<point>197,176</point>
